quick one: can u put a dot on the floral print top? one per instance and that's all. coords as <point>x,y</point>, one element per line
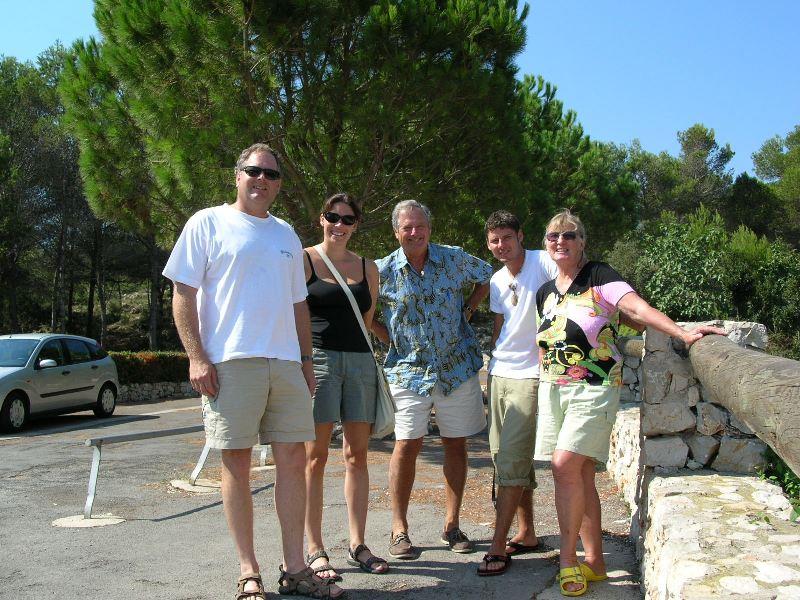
<point>578,329</point>
<point>431,339</point>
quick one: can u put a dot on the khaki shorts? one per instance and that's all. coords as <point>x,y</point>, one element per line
<point>459,414</point>
<point>512,430</point>
<point>576,417</point>
<point>259,400</point>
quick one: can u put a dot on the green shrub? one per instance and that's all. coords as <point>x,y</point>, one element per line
<point>779,473</point>
<point>151,367</point>
<point>685,268</point>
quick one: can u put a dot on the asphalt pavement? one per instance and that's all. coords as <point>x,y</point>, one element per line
<point>174,545</point>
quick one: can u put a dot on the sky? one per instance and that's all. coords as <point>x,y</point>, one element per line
<point>630,69</point>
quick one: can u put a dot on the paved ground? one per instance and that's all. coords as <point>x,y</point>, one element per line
<point>173,544</point>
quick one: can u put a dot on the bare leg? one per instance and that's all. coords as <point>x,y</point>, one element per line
<point>290,502</point>
<point>570,504</point>
<point>237,501</point>
<point>507,503</point>
<point>402,470</point>
<point>316,459</point>
<point>591,531</point>
<point>526,533</point>
<point>455,476</point>
<point>356,484</point>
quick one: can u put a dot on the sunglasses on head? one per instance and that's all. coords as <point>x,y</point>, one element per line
<point>332,217</point>
<point>255,172</point>
<point>567,235</point>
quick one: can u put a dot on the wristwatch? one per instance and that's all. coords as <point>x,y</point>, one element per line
<point>305,357</point>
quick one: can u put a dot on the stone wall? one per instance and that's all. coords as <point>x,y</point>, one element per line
<point>680,425</point>
<point>149,392</point>
<point>699,534</point>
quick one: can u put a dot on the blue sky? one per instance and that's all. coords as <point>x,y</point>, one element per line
<point>630,69</point>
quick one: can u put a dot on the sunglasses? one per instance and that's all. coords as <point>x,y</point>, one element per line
<point>332,217</point>
<point>255,172</point>
<point>567,235</point>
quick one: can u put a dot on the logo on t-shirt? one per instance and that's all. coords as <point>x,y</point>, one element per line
<point>287,254</point>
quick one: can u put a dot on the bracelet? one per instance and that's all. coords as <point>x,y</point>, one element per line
<point>305,357</point>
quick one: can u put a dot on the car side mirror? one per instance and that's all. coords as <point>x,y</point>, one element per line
<point>47,363</point>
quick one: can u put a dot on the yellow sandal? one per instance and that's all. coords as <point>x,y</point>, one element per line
<point>572,575</point>
<point>590,575</point>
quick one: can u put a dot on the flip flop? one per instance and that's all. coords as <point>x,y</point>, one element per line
<point>519,548</point>
<point>494,558</point>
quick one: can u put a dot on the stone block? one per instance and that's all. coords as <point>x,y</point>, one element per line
<point>679,383</point>
<point>671,417</point>
<point>693,395</point>
<point>740,455</point>
<point>655,382</point>
<point>668,451</point>
<point>739,425</point>
<point>747,334</point>
<point>625,394</point>
<point>629,375</point>
<point>655,341</point>
<point>710,419</point>
<point>702,447</point>
<point>633,362</point>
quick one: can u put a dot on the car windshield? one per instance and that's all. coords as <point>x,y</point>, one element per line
<point>16,352</point>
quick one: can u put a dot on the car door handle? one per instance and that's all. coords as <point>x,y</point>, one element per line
<point>65,372</point>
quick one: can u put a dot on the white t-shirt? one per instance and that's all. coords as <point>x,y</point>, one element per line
<point>249,272</point>
<point>516,355</point>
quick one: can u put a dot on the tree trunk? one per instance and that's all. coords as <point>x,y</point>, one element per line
<point>761,390</point>
<point>155,285</point>
<point>57,306</point>
<point>97,232</point>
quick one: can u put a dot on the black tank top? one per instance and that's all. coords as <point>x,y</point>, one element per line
<point>333,324</point>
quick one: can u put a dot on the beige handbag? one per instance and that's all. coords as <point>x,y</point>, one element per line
<point>384,403</point>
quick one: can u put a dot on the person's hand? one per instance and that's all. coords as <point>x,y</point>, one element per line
<point>203,377</point>
<point>311,379</point>
<point>691,336</point>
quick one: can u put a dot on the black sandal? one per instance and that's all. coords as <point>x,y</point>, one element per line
<point>259,593</point>
<point>310,558</point>
<point>366,565</point>
<point>305,583</point>
<point>494,558</point>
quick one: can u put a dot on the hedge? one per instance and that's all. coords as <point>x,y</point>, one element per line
<point>151,367</point>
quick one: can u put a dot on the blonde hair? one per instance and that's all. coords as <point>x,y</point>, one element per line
<point>565,220</point>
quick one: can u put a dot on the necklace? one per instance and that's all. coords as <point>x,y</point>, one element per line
<point>513,284</point>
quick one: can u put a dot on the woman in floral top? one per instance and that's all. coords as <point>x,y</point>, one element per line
<point>579,314</point>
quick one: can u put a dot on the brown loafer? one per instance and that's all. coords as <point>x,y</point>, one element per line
<point>401,547</point>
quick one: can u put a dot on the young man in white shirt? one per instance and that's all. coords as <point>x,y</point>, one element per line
<point>240,310</point>
<point>513,386</point>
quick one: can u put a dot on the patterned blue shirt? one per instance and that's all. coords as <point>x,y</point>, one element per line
<point>431,339</point>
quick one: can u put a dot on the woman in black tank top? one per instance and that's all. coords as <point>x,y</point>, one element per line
<point>346,380</point>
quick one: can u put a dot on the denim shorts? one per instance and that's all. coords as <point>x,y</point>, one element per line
<point>347,386</point>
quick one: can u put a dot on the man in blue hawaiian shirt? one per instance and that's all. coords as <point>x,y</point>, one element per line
<point>433,362</point>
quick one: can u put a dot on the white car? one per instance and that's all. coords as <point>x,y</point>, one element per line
<point>47,373</point>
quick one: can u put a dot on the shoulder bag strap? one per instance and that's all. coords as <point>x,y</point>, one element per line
<point>347,292</point>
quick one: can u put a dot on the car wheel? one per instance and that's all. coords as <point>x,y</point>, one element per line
<point>106,401</point>
<point>14,413</point>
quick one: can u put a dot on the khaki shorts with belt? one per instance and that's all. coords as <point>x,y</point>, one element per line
<point>260,400</point>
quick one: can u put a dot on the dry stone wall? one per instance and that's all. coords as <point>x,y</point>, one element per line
<point>680,425</point>
<point>699,533</point>
<point>150,392</point>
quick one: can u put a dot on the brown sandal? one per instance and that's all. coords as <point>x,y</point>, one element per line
<point>305,583</point>
<point>259,593</point>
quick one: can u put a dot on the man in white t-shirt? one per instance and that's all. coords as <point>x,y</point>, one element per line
<point>240,310</point>
<point>513,385</point>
